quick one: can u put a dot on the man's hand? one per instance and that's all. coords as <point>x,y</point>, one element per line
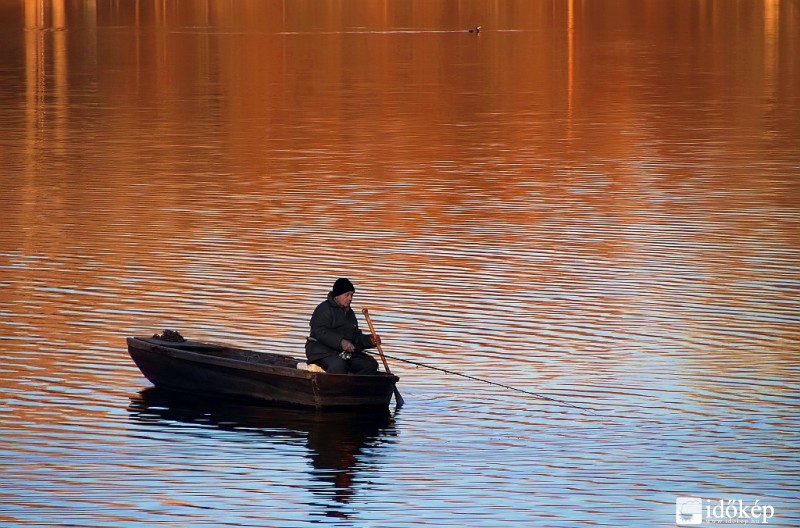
<point>347,346</point>
<point>376,339</point>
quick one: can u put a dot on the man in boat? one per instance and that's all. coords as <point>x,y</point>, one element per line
<point>335,342</point>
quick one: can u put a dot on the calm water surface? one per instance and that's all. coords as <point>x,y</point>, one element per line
<point>593,201</point>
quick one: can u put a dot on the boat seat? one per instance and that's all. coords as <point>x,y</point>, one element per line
<point>311,367</point>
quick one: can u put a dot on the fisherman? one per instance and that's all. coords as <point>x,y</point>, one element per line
<point>335,342</point>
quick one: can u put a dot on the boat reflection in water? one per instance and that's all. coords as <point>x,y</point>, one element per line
<point>336,440</point>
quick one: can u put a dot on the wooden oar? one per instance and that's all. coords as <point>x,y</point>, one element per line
<point>397,398</point>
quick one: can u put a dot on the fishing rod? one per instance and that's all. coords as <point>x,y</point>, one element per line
<point>491,383</point>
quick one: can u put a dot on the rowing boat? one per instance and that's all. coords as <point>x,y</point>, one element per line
<point>221,370</point>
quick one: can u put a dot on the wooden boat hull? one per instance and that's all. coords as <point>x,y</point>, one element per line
<point>220,370</point>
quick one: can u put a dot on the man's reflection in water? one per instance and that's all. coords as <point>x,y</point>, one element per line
<point>335,439</point>
<point>337,443</point>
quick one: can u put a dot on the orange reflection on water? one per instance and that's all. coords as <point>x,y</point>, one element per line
<point>271,125</point>
<point>591,200</point>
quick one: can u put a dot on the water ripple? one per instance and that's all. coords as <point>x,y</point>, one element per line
<point>616,236</point>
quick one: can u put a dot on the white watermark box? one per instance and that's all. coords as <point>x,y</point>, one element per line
<point>695,510</point>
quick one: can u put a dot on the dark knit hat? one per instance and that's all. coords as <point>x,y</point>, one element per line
<point>341,286</point>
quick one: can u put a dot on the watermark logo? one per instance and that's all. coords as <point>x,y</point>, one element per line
<point>688,510</point>
<point>694,510</point>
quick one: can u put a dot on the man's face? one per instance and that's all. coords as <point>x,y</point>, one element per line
<point>344,299</point>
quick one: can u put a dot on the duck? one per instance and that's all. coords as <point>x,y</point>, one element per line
<point>476,29</point>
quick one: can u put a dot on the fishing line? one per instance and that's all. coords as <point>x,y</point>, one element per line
<point>492,383</point>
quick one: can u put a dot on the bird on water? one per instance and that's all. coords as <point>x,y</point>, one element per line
<point>476,29</point>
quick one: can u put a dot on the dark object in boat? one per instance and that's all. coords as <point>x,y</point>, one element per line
<point>170,335</point>
<point>221,370</point>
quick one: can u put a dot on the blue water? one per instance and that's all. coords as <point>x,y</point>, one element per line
<point>595,203</point>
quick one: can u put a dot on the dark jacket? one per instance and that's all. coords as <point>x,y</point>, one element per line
<point>329,325</point>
